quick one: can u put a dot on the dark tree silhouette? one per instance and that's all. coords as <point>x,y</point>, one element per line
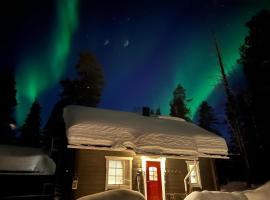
<point>30,131</point>
<point>207,119</point>
<point>54,129</point>
<point>255,59</point>
<point>87,88</point>
<point>158,111</point>
<point>178,105</point>
<point>7,104</point>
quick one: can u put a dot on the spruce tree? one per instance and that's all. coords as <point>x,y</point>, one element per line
<point>87,88</point>
<point>30,131</point>
<point>207,119</point>
<point>178,105</point>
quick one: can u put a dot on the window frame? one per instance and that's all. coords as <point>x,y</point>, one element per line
<point>115,186</point>
<point>197,168</point>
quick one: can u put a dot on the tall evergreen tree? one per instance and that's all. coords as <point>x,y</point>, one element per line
<point>30,131</point>
<point>255,59</point>
<point>207,119</point>
<point>87,88</point>
<point>7,103</point>
<point>178,105</point>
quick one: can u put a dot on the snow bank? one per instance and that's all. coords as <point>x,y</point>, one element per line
<point>25,159</point>
<point>261,193</point>
<point>207,195</point>
<point>117,194</point>
<point>115,129</point>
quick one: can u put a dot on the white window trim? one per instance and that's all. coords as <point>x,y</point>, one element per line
<point>197,167</point>
<point>162,161</point>
<point>107,186</point>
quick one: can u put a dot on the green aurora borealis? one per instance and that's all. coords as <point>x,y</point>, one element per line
<point>39,71</point>
<point>165,48</point>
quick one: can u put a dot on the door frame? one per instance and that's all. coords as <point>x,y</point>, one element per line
<point>162,161</point>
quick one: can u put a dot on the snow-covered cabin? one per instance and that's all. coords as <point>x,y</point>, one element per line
<point>26,173</point>
<point>162,157</point>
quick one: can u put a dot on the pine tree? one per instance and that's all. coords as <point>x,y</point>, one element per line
<point>178,105</point>
<point>7,104</point>
<point>87,88</point>
<point>207,119</point>
<point>30,131</point>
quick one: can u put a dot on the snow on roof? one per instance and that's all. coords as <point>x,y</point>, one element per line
<point>153,135</point>
<point>17,159</point>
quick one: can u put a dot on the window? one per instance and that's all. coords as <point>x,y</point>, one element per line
<point>118,172</point>
<point>153,174</point>
<point>194,177</point>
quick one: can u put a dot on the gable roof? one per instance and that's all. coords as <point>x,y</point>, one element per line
<point>25,160</point>
<point>123,130</point>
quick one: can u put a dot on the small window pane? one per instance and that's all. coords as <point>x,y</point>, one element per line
<point>119,172</point>
<point>193,174</point>
<point>111,180</point>
<point>119,180</point>
<point>119,164</point>
<point>111,172</point>
<point>153,174</point>
<point>112,163</point>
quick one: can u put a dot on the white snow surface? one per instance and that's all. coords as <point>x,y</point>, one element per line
<point>261,193</point>
<point>116,194</point>
<point>121,130</point>
<point>214,195</point>
<point>25,159</point>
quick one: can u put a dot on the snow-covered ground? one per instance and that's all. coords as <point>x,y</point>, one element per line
<point>117,194</point>
<point>261,193</point>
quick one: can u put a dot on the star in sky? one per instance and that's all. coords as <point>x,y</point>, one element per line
<point>106,42</point>
<point>126,43</point>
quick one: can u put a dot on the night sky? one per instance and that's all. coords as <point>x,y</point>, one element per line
<point>146,48</point>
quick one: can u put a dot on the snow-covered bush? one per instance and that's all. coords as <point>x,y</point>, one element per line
<point>117,194</point>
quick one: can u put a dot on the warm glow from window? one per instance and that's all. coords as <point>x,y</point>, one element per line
<point>116,172</point>
<point>193,174</point>
<point>153,174</point>
<point>194,177</point>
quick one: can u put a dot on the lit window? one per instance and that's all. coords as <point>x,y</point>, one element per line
<point>153,174</point>
<point>118,172</point>
<point>194,177</point>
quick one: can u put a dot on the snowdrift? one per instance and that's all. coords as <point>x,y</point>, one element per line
<point>17,159</point>
<point>261,193</point>
<point>117,194</point>
<point>123,130</point>
<point>208,195</point>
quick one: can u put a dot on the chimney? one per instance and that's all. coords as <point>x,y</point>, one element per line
<point>146,111</point>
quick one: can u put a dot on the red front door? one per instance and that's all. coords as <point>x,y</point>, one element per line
<point>153,180</point>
